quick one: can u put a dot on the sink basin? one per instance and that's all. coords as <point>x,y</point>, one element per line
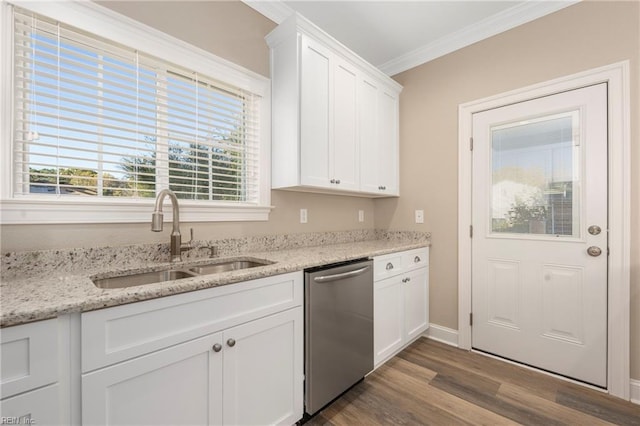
<point>142,278</point>
<point>177,274</point>
<point>234,265</point>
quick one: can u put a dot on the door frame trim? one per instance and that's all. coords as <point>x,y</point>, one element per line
<point>619,170</point>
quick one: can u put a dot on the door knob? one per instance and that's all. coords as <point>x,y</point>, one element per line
<point>594,251</point>
<point>231,342</point>
<point>594,229</point>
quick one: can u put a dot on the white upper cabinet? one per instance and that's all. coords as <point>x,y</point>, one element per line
<point>379,134</point>
<point>335,116</point>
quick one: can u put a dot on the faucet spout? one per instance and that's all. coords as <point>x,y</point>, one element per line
<point>157,224</point>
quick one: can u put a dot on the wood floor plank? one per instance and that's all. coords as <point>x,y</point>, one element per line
<point>411,369</point>
<point>605,407</point>
<point>459,387</point>
<point>538,384</point>
<point>419,395</point>
<point>521,397</point>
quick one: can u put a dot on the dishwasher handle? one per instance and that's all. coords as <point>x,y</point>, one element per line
<point>329,278</point>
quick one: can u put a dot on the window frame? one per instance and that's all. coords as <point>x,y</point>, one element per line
<point>106,23</point>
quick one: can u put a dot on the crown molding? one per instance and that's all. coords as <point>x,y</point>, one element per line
<point>496,24</point>
<point>275,10</point>
<point>278,11</point>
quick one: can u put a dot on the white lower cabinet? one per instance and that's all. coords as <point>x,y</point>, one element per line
<point>249,373</point>
<point>401,301</point>
<point>34,378</point>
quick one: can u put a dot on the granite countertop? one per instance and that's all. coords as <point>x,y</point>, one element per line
<point>59,291</point>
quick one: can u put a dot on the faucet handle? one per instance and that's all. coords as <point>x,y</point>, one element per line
<point>188,245</point>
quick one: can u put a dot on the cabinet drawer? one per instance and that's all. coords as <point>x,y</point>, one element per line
<point>29,356</point>
<point>387,266</point>
<point>414,259</point>
<point>123,332</point>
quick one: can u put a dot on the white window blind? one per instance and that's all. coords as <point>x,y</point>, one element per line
<point>93,118</point>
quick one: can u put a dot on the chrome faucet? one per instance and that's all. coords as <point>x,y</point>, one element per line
<point>177,247</point>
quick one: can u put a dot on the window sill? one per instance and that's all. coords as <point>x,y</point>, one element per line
<point>34,211</point>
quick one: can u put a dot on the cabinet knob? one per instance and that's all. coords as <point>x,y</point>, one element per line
<point>382,188</point>
<point>416,259</point>
<point>332,181</point>
<point>217,347</point>
<point>231,342</point>
<point>338,181</point>
<point>406,280</point>
<point>389,266</point>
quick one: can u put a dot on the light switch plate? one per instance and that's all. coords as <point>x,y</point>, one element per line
<point>360,215</point>
<point>419,216</point>
<point>303,215</point>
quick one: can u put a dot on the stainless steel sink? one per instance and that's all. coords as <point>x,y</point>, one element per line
<point>142,278</point>
<point>234,265</point>
<point>171,274</point>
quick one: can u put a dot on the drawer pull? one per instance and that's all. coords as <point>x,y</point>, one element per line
<point>416,259</point>
<point>231,342</point>
<point>217,347</point>
<point>389,266</point>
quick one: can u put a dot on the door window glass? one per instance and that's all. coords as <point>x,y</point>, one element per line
<point>535,168</point>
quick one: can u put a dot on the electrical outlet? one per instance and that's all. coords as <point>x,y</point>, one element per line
<point>303,215</point>
<point>419,216</point>
<point>360,215</point>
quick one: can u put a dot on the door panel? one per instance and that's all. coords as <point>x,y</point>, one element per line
<point>539,182</point>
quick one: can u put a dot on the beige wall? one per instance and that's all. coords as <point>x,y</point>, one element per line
<point>580,37</point>
<point>234,31</point>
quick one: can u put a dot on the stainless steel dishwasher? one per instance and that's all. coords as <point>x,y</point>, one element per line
<point>338,330</point>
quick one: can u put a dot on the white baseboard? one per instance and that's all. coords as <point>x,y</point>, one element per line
<point>442,334</point>
<point>635,391</point>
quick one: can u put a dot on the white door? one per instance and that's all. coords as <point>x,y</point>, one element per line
<point>539,246</point>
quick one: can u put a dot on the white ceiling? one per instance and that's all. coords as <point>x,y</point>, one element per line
<point>397,35</point>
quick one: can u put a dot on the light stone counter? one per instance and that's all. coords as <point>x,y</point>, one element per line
<point>41,285</point>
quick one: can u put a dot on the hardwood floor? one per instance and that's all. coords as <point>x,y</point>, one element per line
<point>431,383</point>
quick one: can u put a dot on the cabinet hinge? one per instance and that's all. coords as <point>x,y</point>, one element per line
<point>470,231</point>
<point>470,318</point>
<point>470,144</point>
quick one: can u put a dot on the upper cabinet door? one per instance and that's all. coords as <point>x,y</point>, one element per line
<point>345,143</point>
<point>388,142</point>
<point>378,139</point>
<point>370,153</point>
<point>316,80</point>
